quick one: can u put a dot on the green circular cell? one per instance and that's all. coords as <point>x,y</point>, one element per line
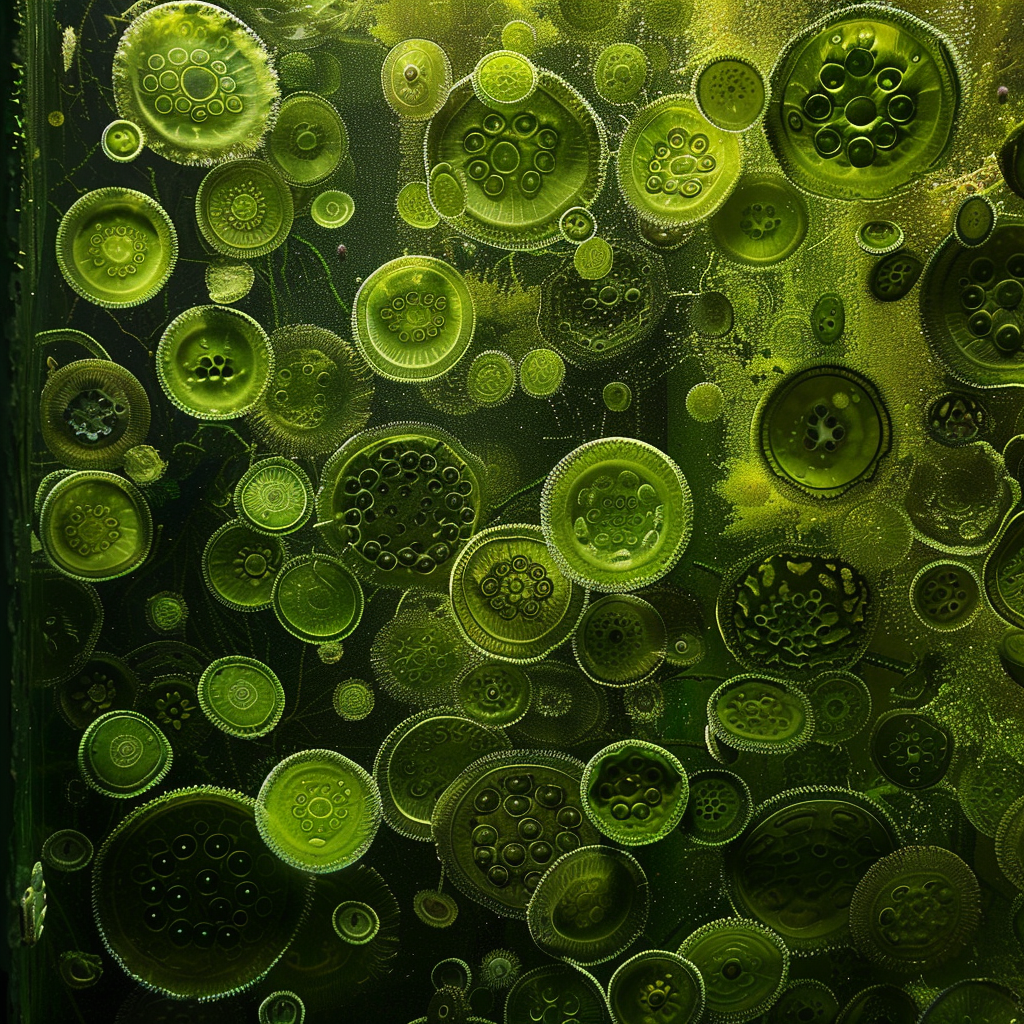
<point>416,78</point>
<point>567,994</point>
<point>541,372</point>
<point>823,430</point>
<point>577,225</point>
<point>229,280</point>
<point>166,612</point>
<point>413,318</point>
<point>105,683</point>
<point>197,80</point>
<point>504,79</point>
<point>240,566</point>
<point>282,1008</point>
<point>616,513</point>
<point>447,190</point>
<point>355,922</point>
<point>95,526</point>
<point>805,1001</point>
<point>879,237</point>
<point>718,808</point>
<point>274,496</point>
<point>675,167</point>
<point>975,1000</point>
<point>945,595</point>
<point>241,696</point>
<point>67,850</point>
<point>593,259</point>
<point>634,792</point>
<point>116,247</point>
<point>332,209</point>
<point>730,93</point>
<point>705,402</point>
<point>589,906</point>
<point>318,811</point>
<point>511,601</point>
<point>882,1004</point>
<point>915,909</point>
<point>762,223</point>
<point>414,207</point>
<point>656,987</point>
<point>308,140</point>
<point>876,534</point>
<point>520,36</point>
<point>491,379</point>
<point>122,141</point>
<point>828,318</point>
<point>892,277</point>
<point>711,314</point>
<point>1009,843</point>
<point>866,103</point>
<point>80,970</point>
<point>911,749</point>
<point>524,165</point>
<point>974,221</point>
<point>71,618</point>
<point>760,714</point>
<point>621,640</point>
<point>435,909</point>
<point>1004,578</point>
<point>122,754</point>
<point>957,418</point>
<point>620,73</point>
<point>986,789</point>
<point>163,868</point>
<point>317,599</point>
<point>353,700</point>
<point>495,693</point>
<point>841,703</point>
<point>214,362</point>
<point>618,397</point>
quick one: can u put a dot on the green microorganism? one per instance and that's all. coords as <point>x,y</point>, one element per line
<point>656,987</point>
<point>317,599</point>
<point>70,617</point>
<point>620,73</point>
<point>974,221</point>
<point>122,141</point>
<point>282,1008</point>
<point>762,223</point>
<point>593,259</point>
<point>911,749</point>
<point>143,465</point>
<point>577,224</point>
<point>566,707</point>
<point>718,809</point>
<point>416,78</point>
<point>308,141</point>
<point>446,190</point>
<point>541,372</point>
<point>589,15</point>
<point>240,566</point>
<point>705,402</point>
<point>893,276</point>
<point>122,754</point>
<point>617,396</point>
<point>564,993</point>
<point>495,693</point>
<point>434,908</point>
<point>229,280</point>
<point>274,496</point>
<point>452,973</point>
<point>956,418</point>
<point>879,237</point>
<point>330,652</point>
<point>644,702</point>
<point>241,696</point>
<point>730,93</point>
<point>355,922</point>
<point>413,204</point>
<point>67,850</point>
<point>828,318</point>
<point>711,314</point>
<point>80,970</point>
<point>116,247</point>
<point>353,700</point>
<point>504,79</point>
<point>519,36</point>
<point>621,640</point>
<point>297,70</point>
<point>617,513</point>
<point>978,999</point>
<point>841,704</point>
<point>171,700</point>
<point>332,209</point>
<point>198,81</point>
<point>1009,843</point>
<point>491,378</point>
<point>987,788</point>
<point>945,595</point>
<point>104,684</point>
<point>500,969</point>
<point>760,714</point>
<point>805,1001</point>
<point>876,534</point>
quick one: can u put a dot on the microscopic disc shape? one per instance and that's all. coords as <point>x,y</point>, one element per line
<point>274,496</point>
<point>123,754</point>
<point>571,993</point>
<point>317,599</point>
<point>241,696</point>
<point>656,986</point>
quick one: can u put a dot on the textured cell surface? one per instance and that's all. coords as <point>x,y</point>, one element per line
<point>122,141</point>
<point>556,993</point>
<point>541,372</point>
<point>762,223</point>
<point>495,693</point>
<point>945,595</point>
<point>621,640</point>
<point>416,78</point>
<point>317,599</point>
<point>762,714</point>
<point>841,705</point>
<point>976,1000</point>
<point>718,808</point>
<point>504,79</point>
<point>620,73</point>
<point>274,495</point>
<point>332,208</point>
<point>241,696</point>
<point>491,379</point>
<point>122,754</point>
<point>911,749</point>
<point>656,987</point>
<point>730,93</point>
<point>308,140</point>
<point>240,565</point>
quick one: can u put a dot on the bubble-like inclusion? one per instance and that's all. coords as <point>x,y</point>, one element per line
<point>758,713</point>
<point>865,102</point>
<point>197,81</point>
<point>556,992</point>
<point>762,223</point>
<point>621,640</point>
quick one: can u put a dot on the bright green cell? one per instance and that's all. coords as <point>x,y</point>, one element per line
<point>413,318</point>
<point>620,72</point>
<point>823,430</point>
<point>541,372</point>
<point>828,318</point>
<point>634,792</point>
<point>879,237</point>
<point>589,906</point>
<point>718,808</point>
<point>730,93</point>
<point>162,868</point>
<point>500,969</point>
<point>511,600</point>
<point>318,811</point>
<point>447,189</point>
<point>166,612</point>
<point>571,994</point>
<point>308,141</point>
<point>945,595</point>
<point>675,167</point>
<point>143,465</point>
<point>524,165</point>
<point>214,362</point>
<point>122,754</point>
<point>504,79</point>
<point>244,209</point>
<point>274,496</point>
<point>353,700</point>
<point>95,526</point>
<point>974,221</point>
<point>332,209</point>
<point>116,247</point>
<point>656,987</point>
<point>241,696</point>
<point>495,693</point>
<point>762,223</point>
<point>593,259</point>
<point>420,759</point>
<point>122,141</point>
<point>762,715</point>
<point>577,224</point>
<point>705,402</point>
<point>240,566</point>
<point>197,80</point>
<point>616,513</point>
<point>892,277</point>
<point>841,704</point>
<point>229,280</point>
<point>618,397</point>
<point>414,207</point>
<point>282,1008</point>
<point>416,78</point>
<point>621,640</point>
<point>915,909</point>
<point>744,967</point>
<point>67,850</point>
<point>865,103</point>
<point>912,749</point>
<point>491,378</point>
<point>317,599</point>
<point>355,922</point>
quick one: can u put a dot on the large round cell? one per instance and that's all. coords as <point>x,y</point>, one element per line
<point>244,209</point>
<point>116,247</point>
<point>189,901</point>
<point>675,166</point>
<point>505,820</point>
<point>91,412</point>
<point>864,103</point>
<point>841,703</point>
<point>68,617</point>
<point>800,858</point>
<point>275,496</point>
<point>1004,573</point>
<point>796,612</point>
<point>762,223</point>
<point>524,165</point>
<point>912,749</point>
<point>616,513</point>
<point>240,565</point>
<point>308,140</point>
<point>656,987</point>
<point>760,714</point>
<point>241,696</point>
<point>317,599</point>
<point>318,811</point>
<point>214,362</point>
<point>122,754</point>
<point>972,306</point>
<point>823,430</point>
<point>416,78</point>
<point>979,999</point>
<point>420,759</point>
<point>730,93</point>
<point>511,601</point>
<point>398,502</point>
<point>561,992</point>
<point>413,319</point>
<point>915,909</point>
<point>198,82</point>
<point>589,906</point>
<point>95,526</point>
<point>621,640</point>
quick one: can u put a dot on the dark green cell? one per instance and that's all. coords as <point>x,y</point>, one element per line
<point>565,706</point>
<point>718,808</point>
<point>805,1002</point>
<point>491,378</point>
<point>308,141</point>
<point>974,221</point>
<point>80,970</point>
<point>620,73</point>
<point>416,78</point>
<point>274,496</point>
<point>500,969</point>
<point>1010,843</point>
<point>122,754</point>
<point>282,1008</point>
<point>435,909</point>
<point>656,987</point>
<point>879,237</point>
<point>1004,576</point>
<point>730,93</point>
<point>355,923</point>
<point>240,565</point>
<point>945,595</point>
<point>561,992</point>
<point>986,789</point>
<point>711,314</point>
<point>957,418</point>
<point>241,696</point>
<point>67,850</point>
<point>760,714</point>
<point>621,640</point>
<point>317,599</point>
<point>452,972</point>
<point>881,1004</point>
<point>762,223</point>
<point>105,683</point>
<point>495,693</point>
<point>979,999</point>
<point>892,277</point>
<point>911,749</point>
<point>841,704</point>
<point>662,238</point>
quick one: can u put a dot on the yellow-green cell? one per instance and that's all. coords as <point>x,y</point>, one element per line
<point>241,696</point>
<point>762,223</point>
<point>495,693</point>
<point>593,259</point>
<point>504,79</point>
<point>240,565</point>
<point>122,754</point>
<point>730,93</point>
<point>621,640</point>
<point>620,73</point>
<point>416,77</point>
<point>414,207</point>
<point>355,922</point>
<point>541,372</point>
<point>353,700</point>
<point>617,396</point>
<point>332,209</point>
<point>122,141</point>
<point>308,141</point>
<point>317,599</point>
<point>491,379</point>
<point>275,496</point>
<point>229,280</point>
